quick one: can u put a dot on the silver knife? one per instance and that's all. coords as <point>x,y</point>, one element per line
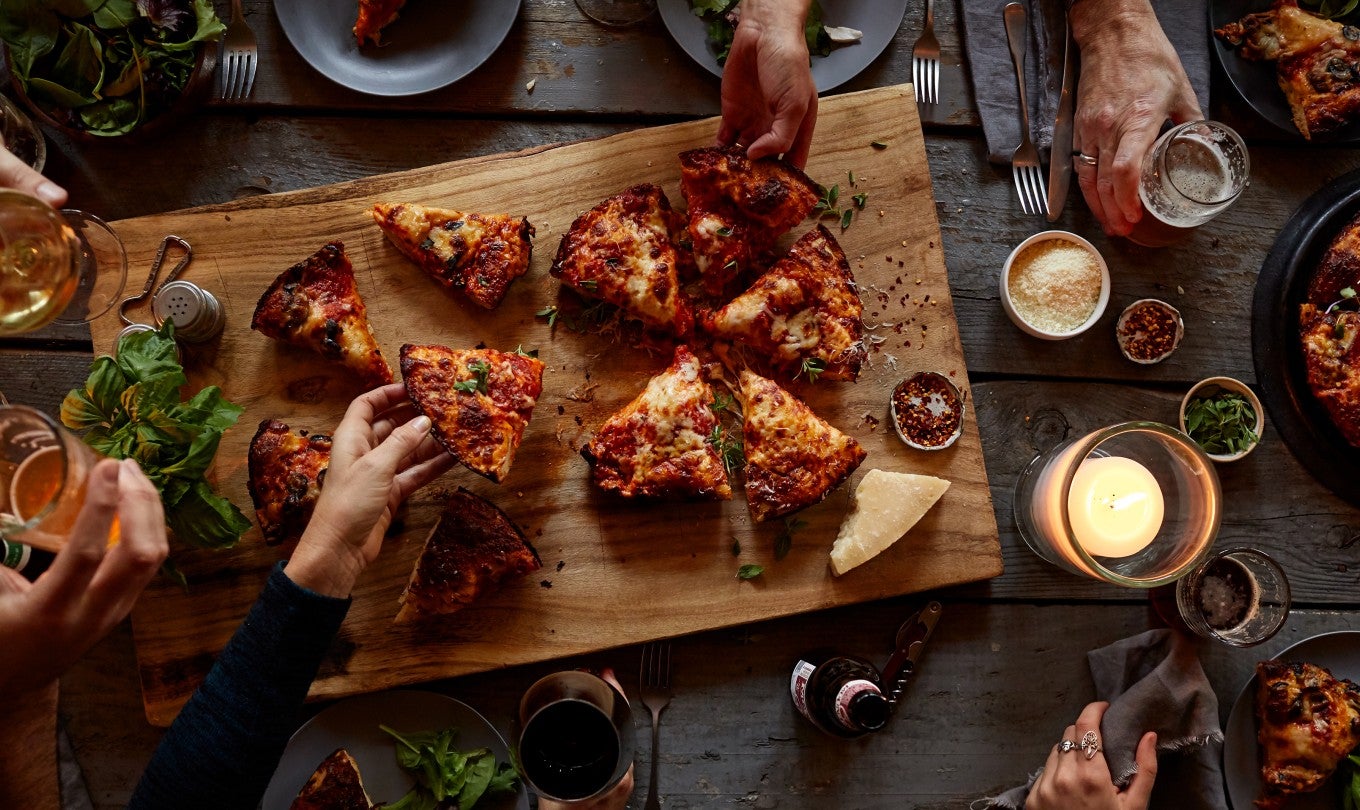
<point>1060,157</point>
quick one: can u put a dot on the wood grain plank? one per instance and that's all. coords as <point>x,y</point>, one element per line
<point>611,553</point>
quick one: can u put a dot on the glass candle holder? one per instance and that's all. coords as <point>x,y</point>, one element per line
<point>1239,597</point>
<point>1136,504</point>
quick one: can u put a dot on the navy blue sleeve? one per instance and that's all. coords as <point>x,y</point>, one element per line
<point>225,744</point>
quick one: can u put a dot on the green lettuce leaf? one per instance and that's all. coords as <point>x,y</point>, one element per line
<point>115,14</point>
<point>209,26</point>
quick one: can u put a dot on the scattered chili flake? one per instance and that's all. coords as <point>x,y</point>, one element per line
<point>1149,330</point>
<point>927,411</point>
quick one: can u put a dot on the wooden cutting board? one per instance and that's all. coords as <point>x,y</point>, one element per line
<point>614,573</point>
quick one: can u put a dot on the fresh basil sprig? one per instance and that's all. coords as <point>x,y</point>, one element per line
<point>446,777</point>
<point>1224,424</point>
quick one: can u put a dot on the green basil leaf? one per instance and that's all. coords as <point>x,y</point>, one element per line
<point>206,519</point>
<point>78,412</point>
<point>750,571</point>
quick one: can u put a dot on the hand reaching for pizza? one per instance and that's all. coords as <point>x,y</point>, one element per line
<point>1131,82</point>
<point>1071,780</point>
<point>381,453</point>
<point>46,625</point>
<point>18,175</point>
<point>769,101</point>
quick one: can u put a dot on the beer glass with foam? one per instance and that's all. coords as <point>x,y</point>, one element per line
<point>1194,172</point>
<point>43,472</point>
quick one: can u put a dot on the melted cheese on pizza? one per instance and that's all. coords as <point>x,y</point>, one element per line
<point>315,304</point>
<point>1328,328</point>
<point>1307,721</point>
<point>661,442</point>
<point>793,457</point>
<point>805,308</point>
<point>480,401</point>
<point>335,785</point>
<point>621,252</point>
<point>479,254</point>
<point>287,471</point>
<point>472,549</point>
<point>374,16</point>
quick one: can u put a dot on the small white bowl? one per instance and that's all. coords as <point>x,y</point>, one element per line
<point>1215,385</point>
<point>1101,302</point>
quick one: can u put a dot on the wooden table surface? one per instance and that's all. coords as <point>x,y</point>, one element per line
<point>1007,670</point>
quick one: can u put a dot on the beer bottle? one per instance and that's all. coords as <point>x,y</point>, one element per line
<point>839,694</point>
<point>26,560</point>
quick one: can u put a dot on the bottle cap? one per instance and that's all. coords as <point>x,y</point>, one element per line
<point>197,314</point>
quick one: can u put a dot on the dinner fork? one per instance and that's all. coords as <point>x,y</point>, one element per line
<point>240,56</point>
<point>925,61</point>
<point>1026,170</point>
<point>654,678</point>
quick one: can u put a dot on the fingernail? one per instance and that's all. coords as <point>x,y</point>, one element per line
<point>422,423</point>
<point>50,193</point>
<point>131,466</point>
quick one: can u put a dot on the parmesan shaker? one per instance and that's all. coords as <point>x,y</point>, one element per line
<point>197,314</point>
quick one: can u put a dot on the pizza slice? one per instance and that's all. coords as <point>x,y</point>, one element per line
<point>374,16</point>
<point>1307,722</point>
<point>738,209</point>
<point>315,304</point>
<point>804,313</point>
<point>287,471</point>
<point>335,785</point>
<point>621,252</point>
<point>480,401</point>
<point>471,550</point>
<point>793,458</point>
<point>662,443</point>
<point>479,254</point>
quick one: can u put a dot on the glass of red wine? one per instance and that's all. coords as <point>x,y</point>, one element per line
<point>575,737</point>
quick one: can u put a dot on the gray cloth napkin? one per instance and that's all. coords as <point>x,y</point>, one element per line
<point>1154,682</point>
<point>1186,23</point>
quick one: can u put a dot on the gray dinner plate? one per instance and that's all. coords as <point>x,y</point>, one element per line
<point>352,724</point>
<point>1340,654</point>
<point>432,44</point>
<point>878,19</point>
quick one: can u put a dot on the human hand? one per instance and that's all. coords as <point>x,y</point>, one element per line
<point>1072,781</point>
<point>380,455</point>
<point>769,101</point>
<point>46,625</point>
<point>18,175</point>
<point>1131,83</point>
<point>616,799</point>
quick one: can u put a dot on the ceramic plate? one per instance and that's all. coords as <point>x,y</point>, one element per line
<point>1275,346</point>
<point>1339,653</point>
<point>1256,82</point>
<point>878,19</point>
<point>429,46</point>
<point>353,725</point>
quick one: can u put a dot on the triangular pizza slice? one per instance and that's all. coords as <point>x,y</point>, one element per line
<point>471,550</point>
<point>802,316</point>
<point>662,443</point>
<point>315,304</point>
<point>335,785</point>
<point>793,458</point>
<point>479,254</point>
<point>287,470</point>
<point>480,401</point>
<point>738,209</point>
<point>621,252</point>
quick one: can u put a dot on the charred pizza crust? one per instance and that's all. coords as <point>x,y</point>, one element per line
<point>661,443</point>
<point>1307,722</point>
<point>335,785</point>
<point>315,304</point>
<point>374,16</point>
<point>471,550</point>
<point>287,470</point>
<point>1328,331</point>
<point>480,401</point>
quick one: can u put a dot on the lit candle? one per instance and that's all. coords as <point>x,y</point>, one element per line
<point>1115,506</point>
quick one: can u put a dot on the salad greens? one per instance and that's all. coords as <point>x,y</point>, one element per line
<point>1348,780</point>
<point>105,66</point>
<point>130,408</point>
<point>1331,9</point>
<point>720,16</point>
<point>445,776</point>
<point>1223,424</point>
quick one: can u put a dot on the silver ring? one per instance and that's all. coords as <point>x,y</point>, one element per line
<point>1090,744</point>
<point>1066,745</point>
<point>1087,159</point>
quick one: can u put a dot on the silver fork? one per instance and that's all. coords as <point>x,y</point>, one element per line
<point>925,61</point>
<point>1026,170</point>
<point>240,56</point>
<point>654,677</point>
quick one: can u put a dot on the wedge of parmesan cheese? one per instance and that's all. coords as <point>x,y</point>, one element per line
<point>887,505</point>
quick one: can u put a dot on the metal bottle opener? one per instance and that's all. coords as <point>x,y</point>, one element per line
<point>137,299</point>
<point>911,642</point>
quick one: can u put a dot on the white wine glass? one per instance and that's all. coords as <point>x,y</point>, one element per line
<point>617,13</point>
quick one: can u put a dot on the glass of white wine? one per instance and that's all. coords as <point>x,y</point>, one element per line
<point>617,13</point>
<point>64,266</point>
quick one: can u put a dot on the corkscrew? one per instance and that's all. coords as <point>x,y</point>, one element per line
<point>911,641</point>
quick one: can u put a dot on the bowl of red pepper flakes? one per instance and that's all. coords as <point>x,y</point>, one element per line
<point>1149,330</point>
<point>927,411</point>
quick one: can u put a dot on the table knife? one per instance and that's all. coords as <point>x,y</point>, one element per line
<point>911,642</point>
<point>1060,156</point>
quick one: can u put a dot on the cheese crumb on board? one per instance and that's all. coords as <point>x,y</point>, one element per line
<point>1054,285</point>
<point>887,505</point>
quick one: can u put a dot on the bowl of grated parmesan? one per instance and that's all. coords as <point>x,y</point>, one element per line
<point>1055,285</point>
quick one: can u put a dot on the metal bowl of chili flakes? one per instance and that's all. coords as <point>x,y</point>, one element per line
<point>1149,330</point>
<point>927,411</point>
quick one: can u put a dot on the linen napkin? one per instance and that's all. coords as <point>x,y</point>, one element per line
<point>1186,23</point>
<point>1154,682</point>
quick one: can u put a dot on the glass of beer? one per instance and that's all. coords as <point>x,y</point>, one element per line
<point>1239,597</point>
<point>43,473</point>
<point>575,740</point>
<point>1193,172</point>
